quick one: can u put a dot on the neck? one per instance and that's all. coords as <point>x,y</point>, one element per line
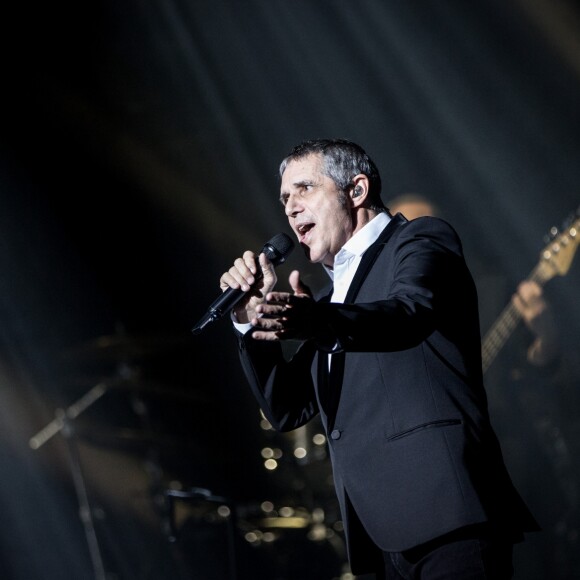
<point>361,217</point>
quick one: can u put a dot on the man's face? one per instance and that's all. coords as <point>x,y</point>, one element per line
<point>312,203</point>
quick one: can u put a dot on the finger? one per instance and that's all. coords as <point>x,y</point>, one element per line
<point>268,310</point>
<point>267,336</point>
<point>525,293</point>
<point>265,324</point>
<point>530,298</point>
<point>518,301</point>
<point>265,262</point>
<point>270,329</point>
<point>298,287</point>
<point>279,298</point>
<point>240,275</point>
<point>232,279</point>
<point>529,287</point>
<point>530,290</point>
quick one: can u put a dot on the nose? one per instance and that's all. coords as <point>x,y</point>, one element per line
<point>292,207</point>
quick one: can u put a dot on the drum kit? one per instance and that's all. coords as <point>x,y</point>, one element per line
<point>151,432</point>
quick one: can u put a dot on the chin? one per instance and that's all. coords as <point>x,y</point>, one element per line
<point>311,254</point>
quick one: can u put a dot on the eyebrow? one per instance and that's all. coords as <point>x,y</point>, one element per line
<point>297,185</point>
<point>300,184</point>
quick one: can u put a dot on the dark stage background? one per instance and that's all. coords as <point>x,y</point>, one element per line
<point>139,150</point>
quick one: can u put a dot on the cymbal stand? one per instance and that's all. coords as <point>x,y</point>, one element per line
<point>63,422</point>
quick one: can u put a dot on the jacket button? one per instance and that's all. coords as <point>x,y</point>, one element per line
<point>335,434</point>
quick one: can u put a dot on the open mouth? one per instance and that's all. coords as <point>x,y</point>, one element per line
<point>304,230</point>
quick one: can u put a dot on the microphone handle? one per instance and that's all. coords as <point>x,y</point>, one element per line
<point>222,304</point>
<point>277,250</point>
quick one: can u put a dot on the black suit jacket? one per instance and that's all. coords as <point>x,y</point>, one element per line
<point>413,451</point>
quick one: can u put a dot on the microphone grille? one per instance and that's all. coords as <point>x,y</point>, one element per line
<point>278,248</point>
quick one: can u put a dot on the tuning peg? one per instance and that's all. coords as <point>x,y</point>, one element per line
<point>550,236</point>
<point>572,218</point>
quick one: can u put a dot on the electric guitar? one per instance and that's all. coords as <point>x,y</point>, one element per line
<point>555,260</point>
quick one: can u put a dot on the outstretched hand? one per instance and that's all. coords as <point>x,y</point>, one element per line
<point>287,315</point>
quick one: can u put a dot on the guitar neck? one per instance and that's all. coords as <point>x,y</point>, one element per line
<point>501,330</point>
<point>556,259</point>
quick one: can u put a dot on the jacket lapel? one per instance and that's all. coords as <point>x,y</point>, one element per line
<point>330,381</point>
<point>370,256</point>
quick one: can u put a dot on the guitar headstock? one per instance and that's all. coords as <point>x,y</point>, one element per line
<point>558,254</point>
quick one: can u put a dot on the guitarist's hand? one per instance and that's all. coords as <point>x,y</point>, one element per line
<point>537,315</point>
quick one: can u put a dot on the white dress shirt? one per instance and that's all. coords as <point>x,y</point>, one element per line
<point>350,255</point>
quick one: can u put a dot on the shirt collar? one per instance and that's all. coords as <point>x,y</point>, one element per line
<point>361,241</point>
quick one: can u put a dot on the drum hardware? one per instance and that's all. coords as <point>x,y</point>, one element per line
<point>63,423</point>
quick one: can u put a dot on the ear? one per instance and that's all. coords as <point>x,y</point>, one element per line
<point>359,190</point>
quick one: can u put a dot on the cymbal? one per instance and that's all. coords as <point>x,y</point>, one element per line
<point>121,347</point>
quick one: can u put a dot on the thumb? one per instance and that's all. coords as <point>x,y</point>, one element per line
<point>268,272</point>
<point>298,287</point>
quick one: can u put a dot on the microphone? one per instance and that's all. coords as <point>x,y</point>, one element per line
<point>277,250</point>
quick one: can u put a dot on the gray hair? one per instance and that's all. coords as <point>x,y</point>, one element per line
<point>342,161</point>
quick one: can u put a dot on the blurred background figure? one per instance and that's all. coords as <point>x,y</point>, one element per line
<point>413,205</point>
<point>533,388</point>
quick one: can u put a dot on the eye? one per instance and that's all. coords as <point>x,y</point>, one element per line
<point>284,199</point>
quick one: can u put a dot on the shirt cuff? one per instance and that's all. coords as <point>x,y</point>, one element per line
<point>241,327</point>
